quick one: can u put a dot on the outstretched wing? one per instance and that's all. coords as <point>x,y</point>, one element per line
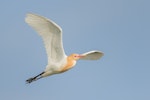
<point>92,55</point>
<point>51,34</point>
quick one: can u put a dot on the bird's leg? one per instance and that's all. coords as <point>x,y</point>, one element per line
<point>34,78</point>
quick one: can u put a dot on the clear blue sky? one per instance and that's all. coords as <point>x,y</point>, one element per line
<point>119,28</point>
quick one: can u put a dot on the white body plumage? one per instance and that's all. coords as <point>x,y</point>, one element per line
<point>51,34</point>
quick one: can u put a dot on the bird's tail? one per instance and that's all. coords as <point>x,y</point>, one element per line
<point>34,78</point>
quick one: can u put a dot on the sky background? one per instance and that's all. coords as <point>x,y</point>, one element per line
<point>119,28</point>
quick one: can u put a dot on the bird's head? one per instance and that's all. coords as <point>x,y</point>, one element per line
<point>75,56</point>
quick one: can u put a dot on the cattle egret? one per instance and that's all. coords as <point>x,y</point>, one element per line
<point>51,34</point>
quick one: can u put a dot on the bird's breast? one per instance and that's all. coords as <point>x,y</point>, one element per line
<point>68,65</point>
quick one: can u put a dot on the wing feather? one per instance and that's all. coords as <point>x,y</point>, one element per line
<point>51,34</point>
<point>92,55</point>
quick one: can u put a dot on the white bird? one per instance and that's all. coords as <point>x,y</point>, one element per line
<point>51,34</point>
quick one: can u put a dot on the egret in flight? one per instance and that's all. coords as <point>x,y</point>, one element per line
<point>58,61</point>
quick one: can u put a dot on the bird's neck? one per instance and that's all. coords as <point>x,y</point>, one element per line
<point>70,63</point>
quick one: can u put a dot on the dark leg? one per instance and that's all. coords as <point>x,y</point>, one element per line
<point>34,78</point>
